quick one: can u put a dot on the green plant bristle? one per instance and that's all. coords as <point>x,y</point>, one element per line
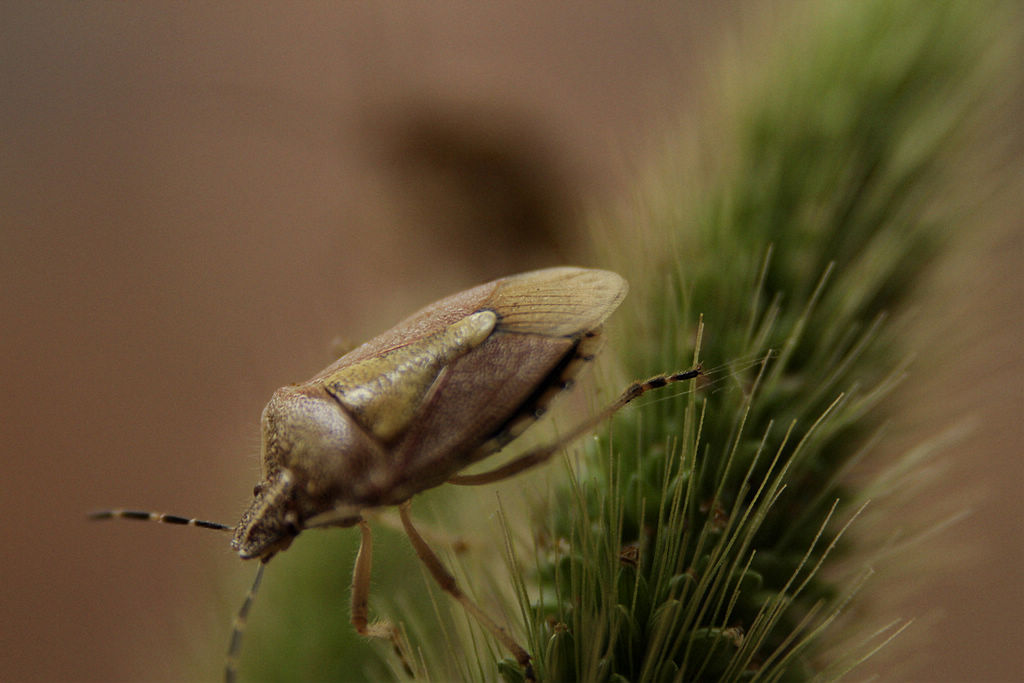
<point>692,542</point>
<point>820,224</point>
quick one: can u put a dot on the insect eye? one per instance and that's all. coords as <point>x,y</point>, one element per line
<point>257,490</point>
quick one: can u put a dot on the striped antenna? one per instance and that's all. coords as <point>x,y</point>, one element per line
<point>238,629</point>
<point>159,517</point>
<point>235,646</point>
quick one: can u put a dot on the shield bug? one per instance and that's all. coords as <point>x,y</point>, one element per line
<point>409,410</point>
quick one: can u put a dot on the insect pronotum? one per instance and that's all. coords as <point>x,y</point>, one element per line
<point>408,410</point>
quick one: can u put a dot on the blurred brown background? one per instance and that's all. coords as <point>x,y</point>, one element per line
<point>196,201</point>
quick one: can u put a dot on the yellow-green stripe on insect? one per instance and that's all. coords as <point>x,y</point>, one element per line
<point>408,410</point>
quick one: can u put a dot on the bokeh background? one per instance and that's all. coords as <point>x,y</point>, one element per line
<point>197,200</point>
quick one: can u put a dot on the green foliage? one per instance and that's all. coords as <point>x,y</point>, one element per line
<point>690,547</point>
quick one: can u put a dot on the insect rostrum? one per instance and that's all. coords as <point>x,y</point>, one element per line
<point>411,408</point>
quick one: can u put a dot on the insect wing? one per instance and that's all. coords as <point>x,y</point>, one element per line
<point>557,302</point>
<point>553,302</point>
<point>424,323</point>
<point>487,397</point>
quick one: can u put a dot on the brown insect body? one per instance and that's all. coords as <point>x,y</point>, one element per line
<point>451,384</point>
<point>408,410</point>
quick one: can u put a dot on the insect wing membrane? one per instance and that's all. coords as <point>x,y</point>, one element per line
<point>487,397</point>
<point>557,302</point>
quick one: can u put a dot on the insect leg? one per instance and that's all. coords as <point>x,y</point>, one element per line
<point>361,598</point>
<point>543,453</point>
<point>361,580</point>
<point>447,582</point>
<point>235,646</point>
